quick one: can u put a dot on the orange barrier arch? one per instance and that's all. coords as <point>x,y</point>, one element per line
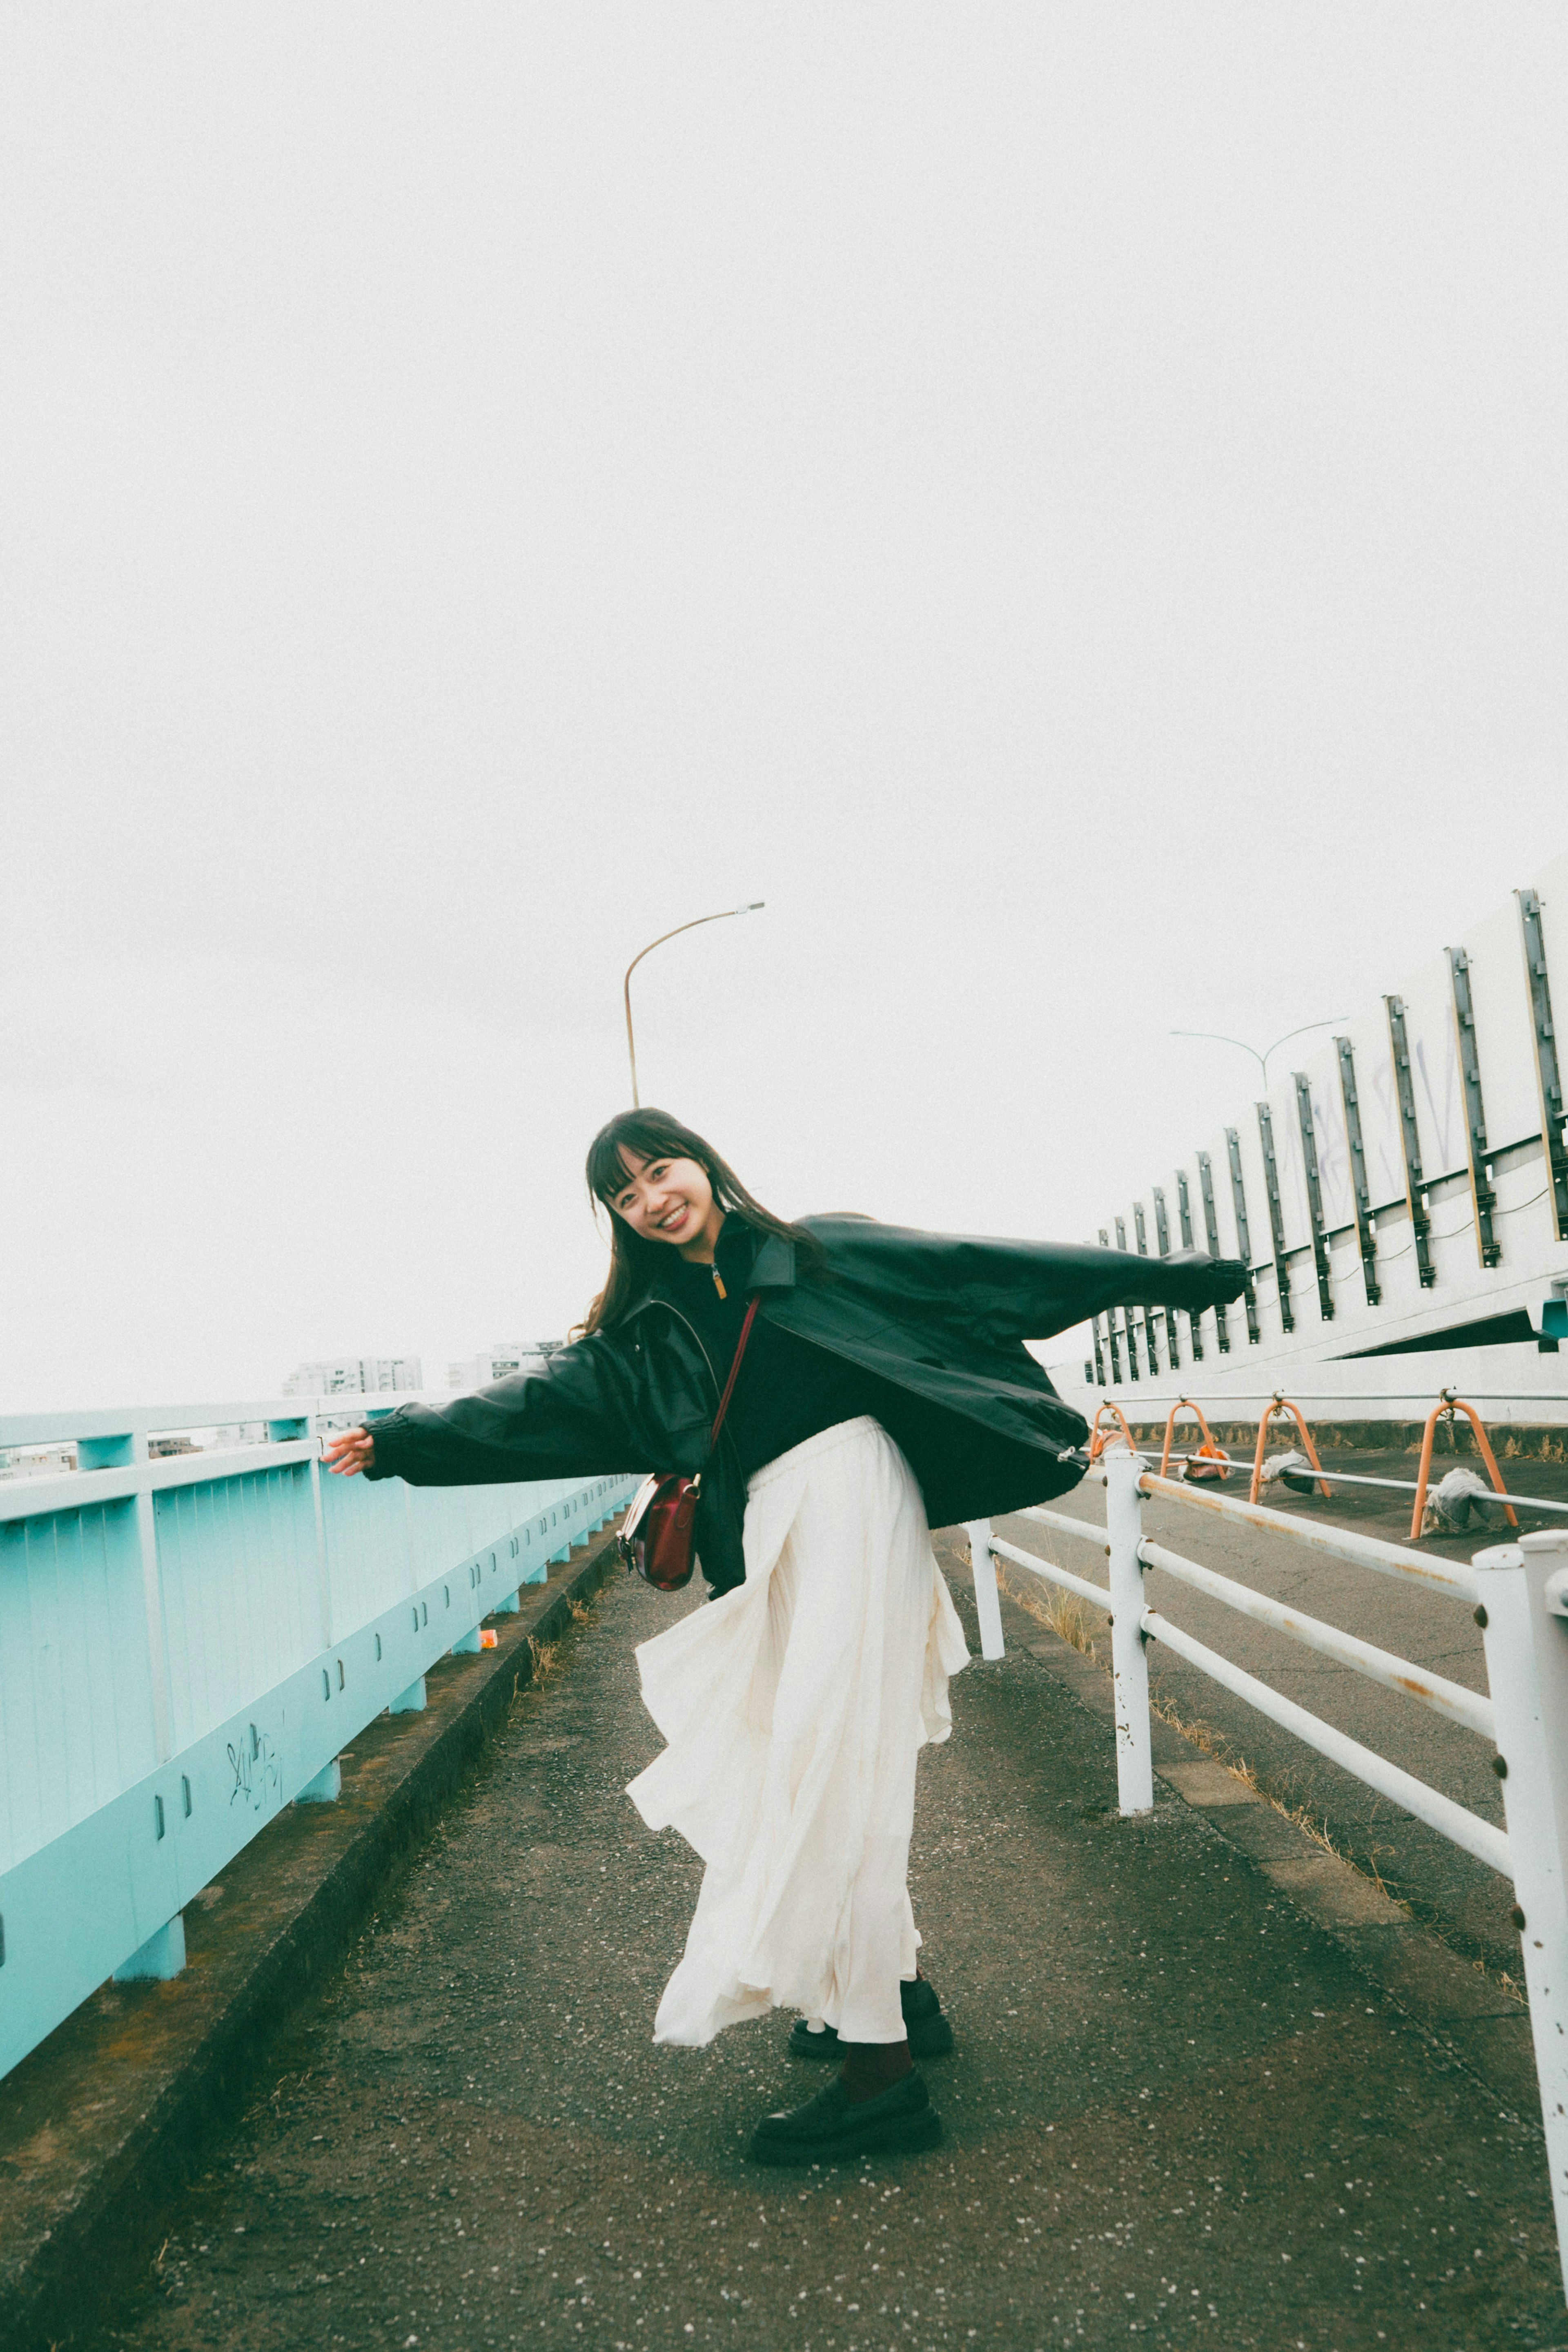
<point>1098,1438</point>
<point>1216,1454</point>
<point>1277,1410</point>
<point>1450,1404</point>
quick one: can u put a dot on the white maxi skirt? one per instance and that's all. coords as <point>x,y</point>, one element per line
<point>795,1708</point>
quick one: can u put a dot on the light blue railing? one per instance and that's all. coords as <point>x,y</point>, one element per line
<point>187,1642</point>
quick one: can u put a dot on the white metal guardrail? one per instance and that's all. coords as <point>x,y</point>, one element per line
<point>189,1640</point>
<point>1520,1593</point>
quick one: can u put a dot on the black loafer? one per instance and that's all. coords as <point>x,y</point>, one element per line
<point>832,2128</point>
<point>930,2035</point>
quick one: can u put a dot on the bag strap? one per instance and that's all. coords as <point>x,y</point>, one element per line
<point>729,1384</point>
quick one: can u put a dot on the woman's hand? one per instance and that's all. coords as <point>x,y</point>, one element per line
<point>349,1450</point>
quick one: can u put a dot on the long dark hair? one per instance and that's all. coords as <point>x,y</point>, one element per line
<point>654,1134</point>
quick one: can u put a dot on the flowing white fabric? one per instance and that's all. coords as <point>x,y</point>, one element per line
<point>795,1708</point>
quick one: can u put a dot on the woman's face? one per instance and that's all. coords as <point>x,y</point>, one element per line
<point>669,1200</point>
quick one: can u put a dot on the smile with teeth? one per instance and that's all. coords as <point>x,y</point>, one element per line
<point>667,1225</point>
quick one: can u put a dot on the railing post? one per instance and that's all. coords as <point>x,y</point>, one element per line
<point>1129,1666</point>
<point>152,1603</point>
<point>1524,1597</point>
<point>161,1956</point>
<point>988,1607</point>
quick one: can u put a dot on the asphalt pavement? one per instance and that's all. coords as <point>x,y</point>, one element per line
<point>1177,2111</point>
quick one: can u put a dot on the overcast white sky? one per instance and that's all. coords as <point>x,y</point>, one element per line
<point>1065,503</point>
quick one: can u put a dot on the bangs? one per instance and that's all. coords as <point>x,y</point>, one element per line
<point>651,1134</point>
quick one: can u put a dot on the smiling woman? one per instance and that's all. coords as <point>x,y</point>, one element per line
<point>664,1185</point>
<point>885,1387</point>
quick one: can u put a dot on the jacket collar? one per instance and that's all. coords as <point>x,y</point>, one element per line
<point>749,1260</point>
<point>746,1259</point>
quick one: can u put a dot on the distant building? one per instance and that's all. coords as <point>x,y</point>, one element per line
<point>354,1376</point>
<point>495,1363</point>
<point>37,1461</point>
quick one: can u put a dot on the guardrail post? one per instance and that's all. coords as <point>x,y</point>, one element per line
<point>410,1701</point>
<point>1524,1597</point>
<point>161,1956</point>
<point>988,1607</point>
<point>1129,1666</point>
<point>325,1788</point>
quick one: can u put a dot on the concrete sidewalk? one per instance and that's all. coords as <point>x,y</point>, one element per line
<point>1180,2110</point>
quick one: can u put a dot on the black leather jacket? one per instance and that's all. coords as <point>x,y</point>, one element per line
<point>942,1317</point>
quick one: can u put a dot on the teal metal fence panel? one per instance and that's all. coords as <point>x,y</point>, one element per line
<point>187,1643</point>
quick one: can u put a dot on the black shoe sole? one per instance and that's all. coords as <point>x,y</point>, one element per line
<point>893,2135</point>
<point>934,2038</point>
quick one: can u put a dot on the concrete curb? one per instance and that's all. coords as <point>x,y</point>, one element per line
<point>101,2122</point>
<point>1473,2021</point>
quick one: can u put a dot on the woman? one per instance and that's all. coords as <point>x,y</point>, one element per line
<point>886,1388</point>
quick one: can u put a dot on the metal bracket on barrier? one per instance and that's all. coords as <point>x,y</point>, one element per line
<point>1126,1312</point>
<point>1548,1070</point>
<point>1481,1193</point>
<point>1314,1192</point>
<point>1211,1234</point>
<point>1365,1238</point>
<point>1238,1203</point>
<point>1276,1214</point>
<point>1184,1211</point>
<point>1146,1312</point>
<point>1163,1238</point>
<point>1110,1325</point>
<point>1410,1138</point>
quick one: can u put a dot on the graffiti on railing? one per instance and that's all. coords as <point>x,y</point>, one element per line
<point>254,1765</point>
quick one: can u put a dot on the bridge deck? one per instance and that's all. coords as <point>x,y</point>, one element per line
<point>1177,2111</point>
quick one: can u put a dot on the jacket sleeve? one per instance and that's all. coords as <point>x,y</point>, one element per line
<point>1019,1290</point>
<point>568,1421</point>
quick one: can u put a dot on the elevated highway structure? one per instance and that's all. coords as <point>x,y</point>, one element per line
<point>1401,1198</point>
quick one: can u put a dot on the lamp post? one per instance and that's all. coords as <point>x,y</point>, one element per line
<point>1260,1058</point>
<point>754,907</point>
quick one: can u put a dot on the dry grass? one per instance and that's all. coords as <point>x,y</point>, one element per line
<point>547,1661</point>
<point>1546,1448</point>
<point>1061,1613</point>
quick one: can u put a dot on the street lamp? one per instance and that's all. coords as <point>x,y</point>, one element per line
<point>754,907</point>
<point>1262,1059</point>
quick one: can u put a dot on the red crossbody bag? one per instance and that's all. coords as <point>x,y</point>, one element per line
<point>655,1537</point>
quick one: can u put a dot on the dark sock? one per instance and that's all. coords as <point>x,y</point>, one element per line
<point>872,2068</point>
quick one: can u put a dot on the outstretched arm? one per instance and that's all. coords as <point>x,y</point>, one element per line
<point>1019,1290</point>
<point>568,1421</point>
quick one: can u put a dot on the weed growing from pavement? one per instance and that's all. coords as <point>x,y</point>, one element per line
<point>547,1661</point>
<point>1061,1613</point>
